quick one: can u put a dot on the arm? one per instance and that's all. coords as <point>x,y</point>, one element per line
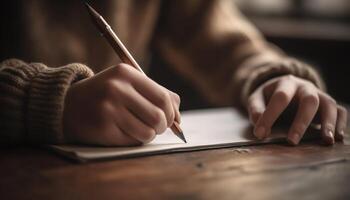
<point>228,60</point>
<point>32,100</point>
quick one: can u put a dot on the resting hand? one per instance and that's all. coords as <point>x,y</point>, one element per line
<point>268,102</point>
<point>118,107</point>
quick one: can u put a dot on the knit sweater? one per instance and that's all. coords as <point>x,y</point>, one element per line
<point>208,42</point>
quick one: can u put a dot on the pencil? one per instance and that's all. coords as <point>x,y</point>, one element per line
<point>107,32</point>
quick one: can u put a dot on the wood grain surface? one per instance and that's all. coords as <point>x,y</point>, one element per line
<point>309,171</point>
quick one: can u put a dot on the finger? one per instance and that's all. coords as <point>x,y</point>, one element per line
<point>307,109</point>
<point>108,133</point>
<point>328,112</point>
<point>143,109</point>
<point>162,100</point>
<point>280,99</point>
<point>123,94</point>
<point>133,127</point>
<point>122,139</point>
<point>153,92</point>
<point>341,123</point>
<point>256,106</point>
<point>176,105</point>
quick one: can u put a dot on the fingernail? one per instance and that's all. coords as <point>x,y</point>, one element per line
<point>294,138</point>
<point>329,137</point>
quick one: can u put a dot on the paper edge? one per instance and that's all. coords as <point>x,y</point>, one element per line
<point>81,158</point>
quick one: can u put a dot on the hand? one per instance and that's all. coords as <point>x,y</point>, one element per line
<point>268,102</point>
<point>118,107</point>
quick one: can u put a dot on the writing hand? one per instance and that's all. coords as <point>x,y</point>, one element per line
<point>118,107</point>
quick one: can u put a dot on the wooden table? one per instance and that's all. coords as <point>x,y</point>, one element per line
<point>309,171</point>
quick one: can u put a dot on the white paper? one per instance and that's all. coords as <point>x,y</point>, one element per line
<point>203,129</point>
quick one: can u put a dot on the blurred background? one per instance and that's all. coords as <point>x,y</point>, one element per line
<point>316,31</point>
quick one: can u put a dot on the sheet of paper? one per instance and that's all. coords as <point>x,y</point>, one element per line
<point>203,129</point>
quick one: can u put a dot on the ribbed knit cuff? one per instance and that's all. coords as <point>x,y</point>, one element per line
<point>15,76</point>
<point>47,93</point>
<point>288,66</point>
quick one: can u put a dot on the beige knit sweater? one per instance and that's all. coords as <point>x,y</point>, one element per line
<point>207,42</point>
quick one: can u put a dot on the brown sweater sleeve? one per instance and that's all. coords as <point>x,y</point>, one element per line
<point>211,44</point>
<point>32,100</point>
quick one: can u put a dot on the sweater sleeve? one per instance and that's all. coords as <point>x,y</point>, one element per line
<point>32,100</point>
<point>212,45</point>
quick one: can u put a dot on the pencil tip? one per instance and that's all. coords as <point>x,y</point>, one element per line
<point>178,131</point>
<point>182,137</point>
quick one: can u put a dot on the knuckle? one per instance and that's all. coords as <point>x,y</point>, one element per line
<point>122,69</point>
<point>177,98</point>
<point>289,77</point>
<point>309,84</point>
<point>311,99</point>
<point>330,100</point>
<point>282,97</point>
<point>164,99</point>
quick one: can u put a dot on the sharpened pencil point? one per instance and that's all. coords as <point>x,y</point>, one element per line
<point>181,135</point>
<point>178,132</point>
